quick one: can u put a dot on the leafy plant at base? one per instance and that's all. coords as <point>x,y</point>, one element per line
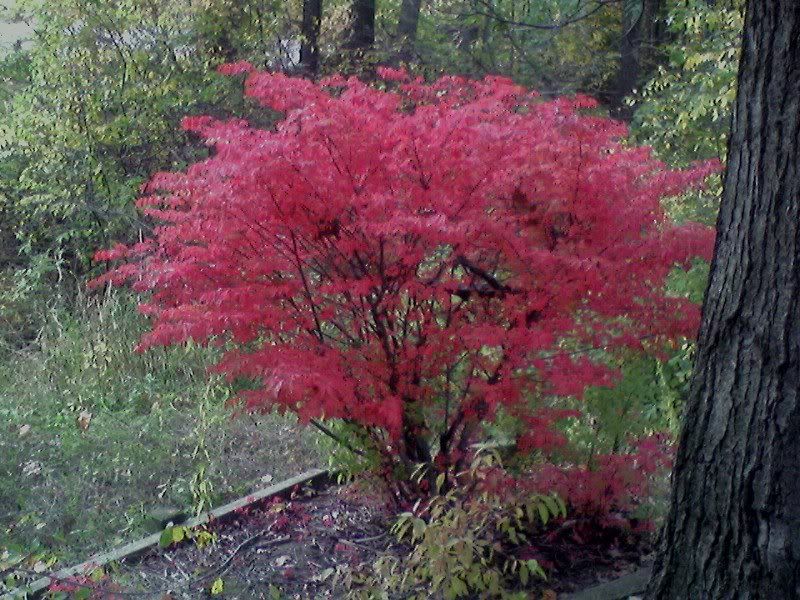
<point>490,535</point>
<point>410,261</point>
<point>465,543</point>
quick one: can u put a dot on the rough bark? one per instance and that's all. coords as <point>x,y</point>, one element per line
<point>362,32</point>
<point>733,530</point>
<point>309,48</point>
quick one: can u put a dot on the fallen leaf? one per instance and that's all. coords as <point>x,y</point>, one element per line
<point>84,418</point>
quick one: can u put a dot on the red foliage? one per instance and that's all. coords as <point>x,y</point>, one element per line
<point>614,483</point>
<point>70,584</point>
<point>410,260</point>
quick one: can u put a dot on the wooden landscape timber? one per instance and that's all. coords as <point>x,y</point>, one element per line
<point>626,587</point>
<point>133,549</point>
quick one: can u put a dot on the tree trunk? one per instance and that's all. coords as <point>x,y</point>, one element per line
<point>733,530</point>
<point>362,32</point>
<point>218,20</point>
<point>407,25</point>
<point>642,31</point>
<point>309,48</point>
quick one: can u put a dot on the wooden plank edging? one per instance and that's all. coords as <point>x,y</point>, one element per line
<point>33,590</point>
<point>632,584</point>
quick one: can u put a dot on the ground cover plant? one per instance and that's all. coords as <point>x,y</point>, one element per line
<point>414,262</point>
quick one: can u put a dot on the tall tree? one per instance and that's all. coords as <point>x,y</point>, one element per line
<point>734,525</point>
<point>407,24</point>
<point>642,31</point>
<point>309,49</point>
<point>362,24</point>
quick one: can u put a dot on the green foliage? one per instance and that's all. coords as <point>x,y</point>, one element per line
<point>95,435</point>
<point>647,399</point>
<point>28,294</point>
<point>97,116</point>
<point>175,534</point>
<point>217,587</point>
<point>228,30</point>
<point>342,459</point>
<point>512,38</point>
<point>465,543</point>
<point>684,111</point>
<point>89,112</point>
<point>649,396</point>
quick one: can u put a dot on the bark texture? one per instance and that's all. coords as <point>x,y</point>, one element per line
<point>734,526</point>
<point>309,48</point>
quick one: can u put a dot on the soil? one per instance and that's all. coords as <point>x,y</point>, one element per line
<point>308,545</point>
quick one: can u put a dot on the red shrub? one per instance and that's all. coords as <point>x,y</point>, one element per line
<point>411,260</point>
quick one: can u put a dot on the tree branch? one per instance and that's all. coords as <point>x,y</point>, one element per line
<point>336,438</point>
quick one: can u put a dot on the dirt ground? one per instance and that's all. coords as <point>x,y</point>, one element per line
<point>309,546</point>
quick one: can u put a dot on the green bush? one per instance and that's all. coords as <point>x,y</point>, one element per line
<point>469,538</point>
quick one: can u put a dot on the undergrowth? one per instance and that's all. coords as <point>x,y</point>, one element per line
<point>95,437</point>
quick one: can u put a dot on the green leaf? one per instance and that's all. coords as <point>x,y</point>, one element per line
<point>544,515</point>
<point>217,587</point>
<point>419,528</point>
<point>82,594</point>
<point>165,541</point>
<point>535,568</point>
<point>523,574</point>
<point>178,533</point>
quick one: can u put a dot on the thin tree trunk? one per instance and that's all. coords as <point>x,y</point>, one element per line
<point>733,530</point>
<point>362,32</point>
<point>642,31</point>
<point>407,25</point>
<point>309,48</point>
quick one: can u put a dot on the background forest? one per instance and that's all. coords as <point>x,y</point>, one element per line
<point>91,99</point>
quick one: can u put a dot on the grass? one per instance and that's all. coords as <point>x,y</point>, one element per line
<point>93,436</point>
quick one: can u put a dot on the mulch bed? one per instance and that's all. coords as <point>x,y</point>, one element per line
<point>304,547</point>
<point>296,546</point>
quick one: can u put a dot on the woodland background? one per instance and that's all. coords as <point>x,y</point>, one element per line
<point>90,105</point>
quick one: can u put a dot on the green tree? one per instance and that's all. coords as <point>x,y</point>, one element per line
<point>684,110</point>
<point>98,112</point>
